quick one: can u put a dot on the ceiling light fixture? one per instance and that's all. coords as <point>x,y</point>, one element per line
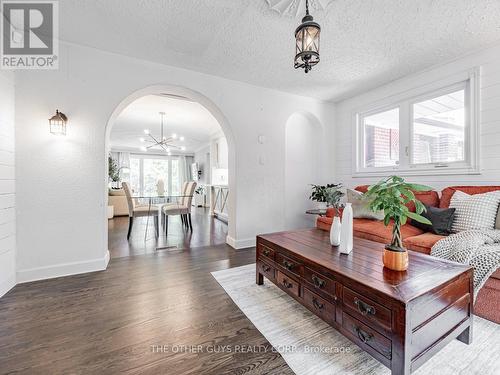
<point>307,42</point>
<point>165,143</point>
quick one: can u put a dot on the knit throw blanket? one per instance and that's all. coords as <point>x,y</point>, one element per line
<point>477,248</point>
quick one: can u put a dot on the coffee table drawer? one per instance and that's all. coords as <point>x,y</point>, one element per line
<point>265,252</point>
<point>289,264</point>
<point>319,281</point>
<point>364,335</point>
<point>265,269</point>
<point>367,310</point>
<point>288,284</point>
<point>324,309</point>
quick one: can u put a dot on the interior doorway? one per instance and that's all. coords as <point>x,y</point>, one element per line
<point>160,144</point>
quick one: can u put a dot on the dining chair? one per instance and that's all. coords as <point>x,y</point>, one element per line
<point>138,210</point>
<point>182,209</point>
<point>176,203</point>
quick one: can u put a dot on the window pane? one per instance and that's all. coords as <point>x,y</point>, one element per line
<point>439,129</point>
<point>154,170</point>
<point>176,181</point>
<point>135,175</point>
<point>381,133</point>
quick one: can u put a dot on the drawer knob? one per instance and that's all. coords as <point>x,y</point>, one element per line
<point>363,336</point>
<point>288,265</point>
<point>364,308</point>
<point>266,252</point>
<point>317,304</point>
<point>318,283</point>
<point>266,268</point>
<point>287,284</point>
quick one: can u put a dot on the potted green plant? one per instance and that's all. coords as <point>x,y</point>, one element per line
<point>319,193</point>
<point>113,170</point>
<point>392,195</point>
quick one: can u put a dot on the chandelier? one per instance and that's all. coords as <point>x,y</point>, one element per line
<point>307,42</point>
<point>165,143</point>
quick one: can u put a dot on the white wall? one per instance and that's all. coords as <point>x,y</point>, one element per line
<point>301,168</point>
<point>7,184</point>
<point>60,181</point>
<point>489,61</point>
<point>200,157</point>
<point>219,161</point>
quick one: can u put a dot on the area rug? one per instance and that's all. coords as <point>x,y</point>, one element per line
<point>311,346</point>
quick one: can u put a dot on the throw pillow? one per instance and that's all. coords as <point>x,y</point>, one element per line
<point>497,225</point>
<point>441,219</point>
<point>361,206</point>
<point>116,192</point>
<point>478,211</point>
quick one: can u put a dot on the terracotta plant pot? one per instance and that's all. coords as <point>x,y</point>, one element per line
<point>395,260</point>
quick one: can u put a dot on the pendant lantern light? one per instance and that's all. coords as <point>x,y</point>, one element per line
<point>307,42</point>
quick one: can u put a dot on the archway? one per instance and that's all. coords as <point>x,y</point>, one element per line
<point>303,152</point>
<point>214,111</point>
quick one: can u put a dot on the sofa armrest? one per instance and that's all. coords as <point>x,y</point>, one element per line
<point>330,212</point>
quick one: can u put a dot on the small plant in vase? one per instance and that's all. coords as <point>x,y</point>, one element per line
<point>113,170</point>
<point>392,196</point>
<point>333,197</point>
<point>320,193</point>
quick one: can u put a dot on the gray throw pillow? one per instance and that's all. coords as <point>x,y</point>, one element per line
<point>497,224</point>
<point>361,206</point>
<point>478,211</point>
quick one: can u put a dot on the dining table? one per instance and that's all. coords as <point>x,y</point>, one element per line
<point>157,200</point>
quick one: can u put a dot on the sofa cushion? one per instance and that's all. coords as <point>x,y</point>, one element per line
<point>429,198</point>
<point>377,231</point>
<point>423,242</point>
<point>447,193</point>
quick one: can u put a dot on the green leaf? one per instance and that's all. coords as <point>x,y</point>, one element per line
<point>419,207</point>
<point>387,219</point>
<point>418,187</point>
<point>419,218</point>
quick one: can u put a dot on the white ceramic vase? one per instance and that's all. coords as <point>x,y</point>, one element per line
<point>346,232</point>
<point>335,231</point>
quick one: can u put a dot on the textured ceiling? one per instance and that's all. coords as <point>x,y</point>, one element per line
<point>364,43</point>
<point>182,117</point>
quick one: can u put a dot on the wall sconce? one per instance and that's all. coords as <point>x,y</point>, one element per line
<point>58,123</point>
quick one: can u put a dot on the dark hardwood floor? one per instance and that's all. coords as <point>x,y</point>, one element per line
<point>114,321</point>
<point>207,231</point>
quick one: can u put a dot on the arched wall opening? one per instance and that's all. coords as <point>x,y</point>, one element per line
<point>215,112</point>
<point>303,152</point>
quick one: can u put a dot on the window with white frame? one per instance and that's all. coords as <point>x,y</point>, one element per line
<point>147,170</point>
<point>434,132</point>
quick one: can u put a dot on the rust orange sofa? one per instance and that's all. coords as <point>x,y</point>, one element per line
<point>488,300</point>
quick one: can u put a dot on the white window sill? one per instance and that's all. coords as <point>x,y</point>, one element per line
<point>418,172</point>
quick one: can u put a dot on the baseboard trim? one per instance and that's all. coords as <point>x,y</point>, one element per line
<point>7,285</point>
<point>240,244</point>
<point>60,270</point>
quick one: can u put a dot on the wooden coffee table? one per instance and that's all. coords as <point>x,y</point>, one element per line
<point>400,318</point>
